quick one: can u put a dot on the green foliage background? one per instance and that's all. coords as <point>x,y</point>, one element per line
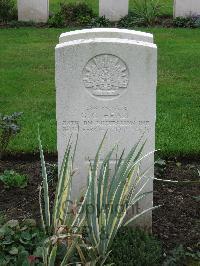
<point>167,5</point>
<point>27,85</point>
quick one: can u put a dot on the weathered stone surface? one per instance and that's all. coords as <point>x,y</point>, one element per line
<point>106,33</point>
<point>106,84</point>
<point>113,10</point>
<point>33,10</point>
<point>186,8</point>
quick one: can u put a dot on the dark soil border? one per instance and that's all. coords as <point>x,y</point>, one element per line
<point>34,156</point>
<point>176,222</point>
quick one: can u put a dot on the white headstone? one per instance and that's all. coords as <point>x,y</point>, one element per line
<point>186,8</point>
<point>106,84</point>
<point>33,10</point>
<point>113,10</point>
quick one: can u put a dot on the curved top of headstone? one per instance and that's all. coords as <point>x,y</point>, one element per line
<point>104,41</point>
<point>106,33</point>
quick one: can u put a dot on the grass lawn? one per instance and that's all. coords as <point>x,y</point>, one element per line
<point>27,84</point>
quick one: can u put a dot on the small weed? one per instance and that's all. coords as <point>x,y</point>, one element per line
<point>160,166</point>
<point>13,179</point>
<point>20,243</point>
<point>9,127</point>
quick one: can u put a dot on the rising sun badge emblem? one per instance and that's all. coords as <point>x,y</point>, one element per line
<point>106,76</point>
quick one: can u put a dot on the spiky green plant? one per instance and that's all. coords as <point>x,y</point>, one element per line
<point>107,190</point>
<point>111,194</point>
<point>63,225</point>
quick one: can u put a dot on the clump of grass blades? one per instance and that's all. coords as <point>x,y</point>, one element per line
<point>112,194</point>
<point>107,190</point>
<point>148,10</point>
<point>62,227</point>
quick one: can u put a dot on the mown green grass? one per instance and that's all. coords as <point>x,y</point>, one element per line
<point>27,84</point>
<point>178,93</point>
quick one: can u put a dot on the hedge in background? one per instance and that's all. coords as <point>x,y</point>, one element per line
<point>8,10</point>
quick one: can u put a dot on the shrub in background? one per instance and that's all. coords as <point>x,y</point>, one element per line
<point>99,22</point>
<point>131,21</point>
<point>72,14</point>
<point>9,127</point>
<point>56,20</point>
<point>197,22</point>
<point>145,13</point>
<point>8,10</point>
<point>77,14</point>
<point>165,21</point>
<point>189,22</point>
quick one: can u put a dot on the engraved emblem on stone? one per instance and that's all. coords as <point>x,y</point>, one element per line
<point>106,76</point>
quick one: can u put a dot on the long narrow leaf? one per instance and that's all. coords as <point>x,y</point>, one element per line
<point>52,257</point>
<point>45,185</point>
<point>92,199</point>
<point>103,183</point>
<point>69,252</point>
<point>62,183</point>
<point>140,214</point>
<point>41,210</point>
